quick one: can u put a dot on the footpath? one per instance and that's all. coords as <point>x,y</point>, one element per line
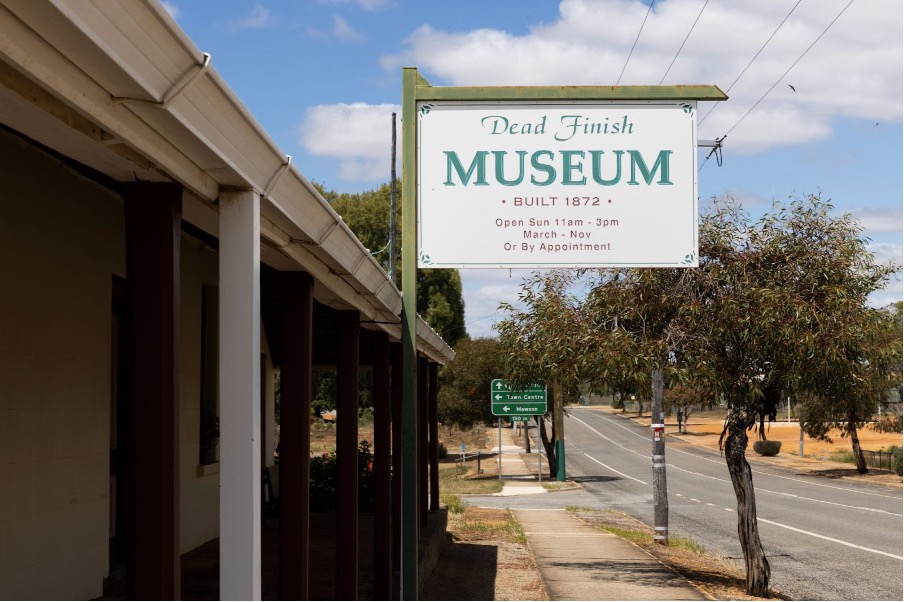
<point>577,561</point>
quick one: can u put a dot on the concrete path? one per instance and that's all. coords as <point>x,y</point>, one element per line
<point>578,561</point>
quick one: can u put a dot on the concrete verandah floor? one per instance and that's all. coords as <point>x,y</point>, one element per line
<point>200,567</point>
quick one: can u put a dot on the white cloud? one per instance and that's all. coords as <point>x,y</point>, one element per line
<point>358,134</point>
<point>854,70</point>
<point>880,219</point>
<point>344,31</point>
<point>483,291</point>
<point>171,8</point>
<point>886,252</point>
<point>260,17</point>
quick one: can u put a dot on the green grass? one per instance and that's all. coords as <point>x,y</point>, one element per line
<point>454,503</point>
<point>642,537</point>
<point>515,530</point>
<point>452,483</point>
<point>842,455</point>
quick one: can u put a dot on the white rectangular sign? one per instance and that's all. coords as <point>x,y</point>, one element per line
<point>557,184</point>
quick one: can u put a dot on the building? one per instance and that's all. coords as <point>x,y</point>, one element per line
<point>160,255</point>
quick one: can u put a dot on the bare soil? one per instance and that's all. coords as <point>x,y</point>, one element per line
<point>484,558</point>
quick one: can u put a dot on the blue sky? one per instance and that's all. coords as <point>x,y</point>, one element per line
<point>324,76</point>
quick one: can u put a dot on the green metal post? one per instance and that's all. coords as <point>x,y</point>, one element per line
<point>409,577</point>
<point>559,418</point>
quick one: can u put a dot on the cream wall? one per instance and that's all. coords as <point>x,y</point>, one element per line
<point>61,240</point>
<point>200,506</point>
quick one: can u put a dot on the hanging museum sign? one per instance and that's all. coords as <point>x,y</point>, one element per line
<point>557,184</point>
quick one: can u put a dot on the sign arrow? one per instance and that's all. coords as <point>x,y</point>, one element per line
<point>505,408</point>
<point>499,385</point>
<point>498,396</point>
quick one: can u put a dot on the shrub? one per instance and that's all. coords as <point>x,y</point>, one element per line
<point>323,481</point>
<point>442,452</point>
<point>896,460</point>
<point>454,503</point>
<point>767,448</point>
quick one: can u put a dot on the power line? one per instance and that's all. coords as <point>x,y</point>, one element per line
<point>682,43</point>
<point>744,70</point>
<point>649,8</point>
<point>787,71</point>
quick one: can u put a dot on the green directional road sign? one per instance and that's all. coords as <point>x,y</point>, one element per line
<point>525,402</point>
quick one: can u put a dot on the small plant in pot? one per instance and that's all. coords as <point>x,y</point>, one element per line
<point>767,448</point>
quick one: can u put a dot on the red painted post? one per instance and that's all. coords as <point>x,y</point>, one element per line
<point>153,218</point>
<point>383,526</point>
<point>347,456</point>
<point>297,292</point>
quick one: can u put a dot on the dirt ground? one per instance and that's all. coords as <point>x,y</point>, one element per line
<point>484,558</point>
<point>720,579</point>
<point>820,457</point>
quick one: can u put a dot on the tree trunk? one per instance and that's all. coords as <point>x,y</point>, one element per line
<point>550,447</point>
<point>742,481</point>
<point>526,432</point>
<point>855,446</point>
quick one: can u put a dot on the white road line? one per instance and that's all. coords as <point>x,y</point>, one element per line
<point>786,494</point>
<point>610,440</point>
<point>699,457</point>
<point>613,470</point>
<point>832,539</point>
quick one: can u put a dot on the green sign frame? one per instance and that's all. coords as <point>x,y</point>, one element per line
<point>415,88</point>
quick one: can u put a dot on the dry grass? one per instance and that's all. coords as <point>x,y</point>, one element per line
<point>720,579</point>
<point>485,558</point>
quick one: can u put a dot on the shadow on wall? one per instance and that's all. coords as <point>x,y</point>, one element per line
<point>466,572</point>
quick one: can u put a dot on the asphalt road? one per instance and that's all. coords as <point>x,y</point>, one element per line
<point>826,539</point>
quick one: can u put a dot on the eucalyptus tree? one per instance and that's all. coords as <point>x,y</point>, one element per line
<point>779,305</point>
<point>439,291</point>
<point>632,319</point>
<point>542,341</point>
<point>856,382</point>
<point>464,394</point>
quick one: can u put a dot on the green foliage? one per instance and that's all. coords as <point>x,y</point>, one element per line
<point>440,303</point>
<point>463,397</point>
<point>439,294</point>
<point>323,481</point>
<point>454,503</point>
<point>543,340</point>
<point>367,215</point>
<point>896,460</point>
<point>783,305</point>
<point>442,453</point>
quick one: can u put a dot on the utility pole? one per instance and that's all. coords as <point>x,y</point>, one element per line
<point>392,208</point>
<point>660,490</point>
